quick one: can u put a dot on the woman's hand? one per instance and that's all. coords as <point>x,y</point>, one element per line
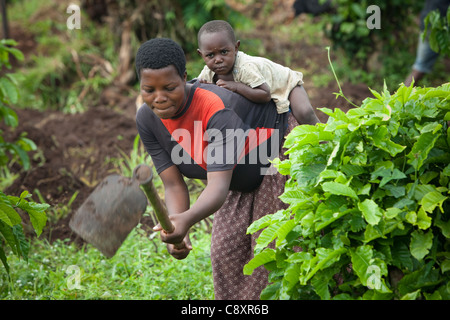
<point>180,232</point>
<point>181,250</point>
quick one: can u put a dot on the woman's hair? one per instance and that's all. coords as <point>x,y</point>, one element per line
<point>216,26</point>
<point>159,53</point>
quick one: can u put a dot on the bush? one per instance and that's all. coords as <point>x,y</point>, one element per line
<point>368,216</point>
<point>11,231</point>
<point>347,28</point>
<point>439,31</point>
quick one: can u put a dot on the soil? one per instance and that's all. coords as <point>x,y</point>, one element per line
<point>73,149</point>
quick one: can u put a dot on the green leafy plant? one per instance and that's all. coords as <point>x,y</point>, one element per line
<point>11,230</point>
<point>368,215</point>
<point>347,27</point>
<point>9,95</point>
<point>10,223</point>
<point>439,31</point>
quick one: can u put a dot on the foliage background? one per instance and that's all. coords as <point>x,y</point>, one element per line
<point>67,73</point>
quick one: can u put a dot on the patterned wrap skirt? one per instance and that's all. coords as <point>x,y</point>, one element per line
<point>232,247</point>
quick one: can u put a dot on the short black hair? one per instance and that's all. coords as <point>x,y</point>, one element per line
<point>159,53</point>
<point>216,26</point>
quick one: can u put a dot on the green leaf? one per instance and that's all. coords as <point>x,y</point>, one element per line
<point>9,116</point>
<point>361,257</point>
<point>38,220</point>
<point>381,140</point>
<point>326,258</point>
<point>339,189</point>
<point>411,295</point>
<point>23,156</point>
<point>421,149</point>
<point>431,200</point>
<point>320,285</point>
<point>260,259</point>
<point>444,226</point>
<point>402,256</point>
<point>291,276</point>
<point>4,260</point>
<point>421,243</point>
<point>16,53</point>
<point>9,90</point>
<point>426,276</point>
<point>445,265</point>
<point>371,211</point>
<point>423,220</point>
<point>5,218</point>
<point>22,244</point>
<point>259,224</point>
<point>13,217</point>
<point>8,234</point>
<point>283,231</point>
<point>292,196</point>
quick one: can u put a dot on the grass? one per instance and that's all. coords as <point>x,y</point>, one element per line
<point>63,71</point>
<point>142,269</point>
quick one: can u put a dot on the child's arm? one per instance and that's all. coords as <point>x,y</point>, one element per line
<point>260,94</point>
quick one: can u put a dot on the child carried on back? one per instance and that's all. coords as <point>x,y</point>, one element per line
<point>256,78</point>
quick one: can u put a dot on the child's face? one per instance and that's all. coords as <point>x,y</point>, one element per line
<point>218,51</point>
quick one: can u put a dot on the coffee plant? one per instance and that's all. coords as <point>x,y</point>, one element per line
<point>347,27</point>
<point>437,31</point>
<point>368,215</point>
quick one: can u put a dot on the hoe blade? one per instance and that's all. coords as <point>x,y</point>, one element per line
<point>109,214</point>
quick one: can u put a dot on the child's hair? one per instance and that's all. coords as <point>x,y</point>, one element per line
<point>159,53</point>
<point>216,26</point>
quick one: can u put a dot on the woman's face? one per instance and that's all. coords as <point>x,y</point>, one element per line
<point>218,51</point>
<point>163,90</point>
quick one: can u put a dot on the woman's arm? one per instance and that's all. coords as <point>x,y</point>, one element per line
<point>176,193</point>
<point>177,201</point>
<point>209,201</point>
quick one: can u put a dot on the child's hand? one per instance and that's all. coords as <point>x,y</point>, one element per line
<point>230,85</point>
<point>202,80</point>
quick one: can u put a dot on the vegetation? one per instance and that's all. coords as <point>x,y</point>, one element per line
<point>348,27</point>
<point>11,231</point>
<point>439,31</point>
<point>142,269</point>
<point>368,215</point>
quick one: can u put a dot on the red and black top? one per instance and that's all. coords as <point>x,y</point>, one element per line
<point>216,130</point>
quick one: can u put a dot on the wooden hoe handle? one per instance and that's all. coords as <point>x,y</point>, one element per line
<point>144,175</point>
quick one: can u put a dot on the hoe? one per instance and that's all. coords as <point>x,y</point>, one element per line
<point>115,207</point>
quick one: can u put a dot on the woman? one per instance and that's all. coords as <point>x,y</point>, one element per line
<point>206,132</point>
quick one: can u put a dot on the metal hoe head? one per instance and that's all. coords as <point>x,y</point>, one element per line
<point>110,212</point>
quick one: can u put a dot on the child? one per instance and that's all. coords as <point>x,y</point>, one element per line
<point>256,78</point>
